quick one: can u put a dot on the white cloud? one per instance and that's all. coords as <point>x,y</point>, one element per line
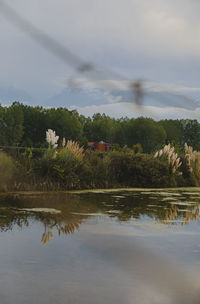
<point>154,39</point>
<point>131,110</point>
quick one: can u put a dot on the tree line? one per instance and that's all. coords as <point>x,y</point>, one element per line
<point>25,126</point>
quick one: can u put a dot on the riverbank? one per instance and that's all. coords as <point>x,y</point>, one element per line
<point>113,190</point>
<point>72,168</point>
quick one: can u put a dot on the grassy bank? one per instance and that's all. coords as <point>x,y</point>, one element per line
<point>116,190</point>
<point>72,168</point>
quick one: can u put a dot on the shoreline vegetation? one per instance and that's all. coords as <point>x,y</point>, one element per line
<point>96,191</point>
<point>145,153</point>
<point>71,167</point>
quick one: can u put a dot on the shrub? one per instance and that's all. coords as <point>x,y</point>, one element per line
<point>140,170</point>
<point>118,167</point>
<point>150,172</point>
<point>191,166</point>
<point>75,149</point>
<point>96,169</point>
<point>174,162</point>
<point>61,166</point>
<point>6,171</point>
<point>137,148</point>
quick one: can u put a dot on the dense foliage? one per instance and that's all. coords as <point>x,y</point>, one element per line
<point>47,149</point>
<point>25,126</point>
<point>71,167</point>
<point>6,171</point>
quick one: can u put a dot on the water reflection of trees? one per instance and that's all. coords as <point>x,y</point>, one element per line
<point>176,215</point>
<point>19,211</point>
<point>128,206</point>
<point>64,228</point>
<point>61,228</point>
<point>11,217</point>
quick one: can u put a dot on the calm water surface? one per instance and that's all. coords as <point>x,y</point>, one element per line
<point>138,247</point>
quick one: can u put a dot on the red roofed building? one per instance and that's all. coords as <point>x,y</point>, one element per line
<point>101,146</point>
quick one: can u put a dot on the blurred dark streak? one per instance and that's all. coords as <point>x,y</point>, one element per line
<point>55,47</point>
<point>90,71</point>
<point>42,38</point>
<point>183,99</point>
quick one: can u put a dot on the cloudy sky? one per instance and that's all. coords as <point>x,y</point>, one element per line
<point>156,41</point>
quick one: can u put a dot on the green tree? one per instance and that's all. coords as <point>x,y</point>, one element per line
<point>13,124</point>
<point>191,133</point>
<point>66,123</point>
<point>147,132</point>
<point>100,128</point>
<point>35,126</point>
<point>174,131</point>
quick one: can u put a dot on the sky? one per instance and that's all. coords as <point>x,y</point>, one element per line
<point>155,41</point>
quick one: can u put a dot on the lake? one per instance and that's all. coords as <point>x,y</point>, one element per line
<point>134,246</point>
